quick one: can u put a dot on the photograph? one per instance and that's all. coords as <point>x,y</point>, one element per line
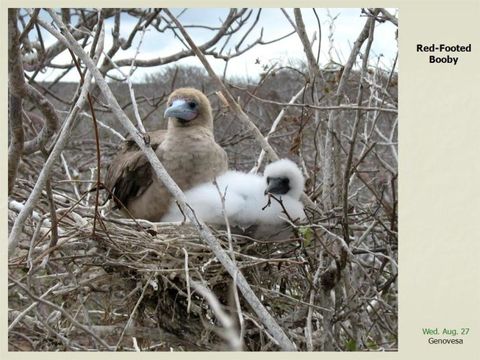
<point>203,179</point>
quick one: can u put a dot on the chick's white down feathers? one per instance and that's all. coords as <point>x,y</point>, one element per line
<point>245,201</point>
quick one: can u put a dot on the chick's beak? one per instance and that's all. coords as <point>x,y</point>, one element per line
<point>277,186</point>
<point>181,110</point>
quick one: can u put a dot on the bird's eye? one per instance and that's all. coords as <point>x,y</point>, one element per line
<point>268,179</point>
<point>169,104</point>
<point>192,105</point>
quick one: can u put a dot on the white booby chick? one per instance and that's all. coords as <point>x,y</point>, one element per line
<point>246,197</point>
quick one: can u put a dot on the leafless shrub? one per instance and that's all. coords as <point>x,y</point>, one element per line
<point>81,278</point>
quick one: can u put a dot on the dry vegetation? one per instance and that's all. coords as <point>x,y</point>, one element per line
<point>83,278</point>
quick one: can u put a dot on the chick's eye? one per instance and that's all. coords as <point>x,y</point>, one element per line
<point>268,179</point>
<point>192,105</point>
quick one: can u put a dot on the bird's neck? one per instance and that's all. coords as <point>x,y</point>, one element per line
<point>193,129</point>
<point>196,124</point>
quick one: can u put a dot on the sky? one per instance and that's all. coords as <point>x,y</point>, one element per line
<point>289,51</point>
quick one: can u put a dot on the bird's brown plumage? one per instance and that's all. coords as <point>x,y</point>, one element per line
<point>187,149</point>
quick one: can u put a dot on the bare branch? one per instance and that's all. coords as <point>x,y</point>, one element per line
<point>15,150</point>
<point>313,67</point>
<point>80,31</point>
<point>230,334</point>
<point>389,16</point>
<point>325,108</point>
<point>19,88</point>
<point>353,138</point>
<point>275,123</point>
<point>329,189</point>
<point>232,16</point>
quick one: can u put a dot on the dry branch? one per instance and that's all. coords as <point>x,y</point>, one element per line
<point>330,184</point>
<point>233,16</point>
<point>20,88</point>
<point>15,150</point>
<point>389,16</point>
<point>326,108</point>
<point>230,333</point>
<point>275,123</point>
<point>353,137</point>
<point>313,68</point>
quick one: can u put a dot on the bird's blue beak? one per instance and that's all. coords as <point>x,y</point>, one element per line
<point>182,110</point>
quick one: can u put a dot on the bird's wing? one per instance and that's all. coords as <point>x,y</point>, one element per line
<point>130,174</point>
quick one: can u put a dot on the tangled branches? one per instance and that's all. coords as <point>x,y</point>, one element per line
<point>81,278</point>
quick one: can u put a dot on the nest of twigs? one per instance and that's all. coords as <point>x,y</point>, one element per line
<point>132,278</point>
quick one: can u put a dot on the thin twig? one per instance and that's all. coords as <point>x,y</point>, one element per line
<point>230,334</point>
<point>273,128</point>
<point>62,311</point>
<point>22,89</point>
<point>130,318</point>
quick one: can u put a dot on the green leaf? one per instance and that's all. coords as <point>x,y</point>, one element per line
<point>372,345</point>
<point>351,345</point>
<point>307,234</point>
